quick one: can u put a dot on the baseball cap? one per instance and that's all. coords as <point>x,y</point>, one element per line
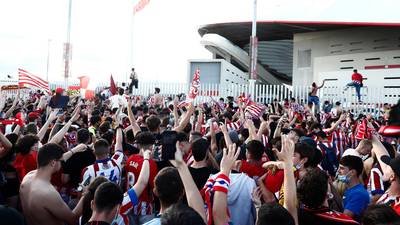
<point>59,90</point>
<point>393,163</point>
<point>33,115</point>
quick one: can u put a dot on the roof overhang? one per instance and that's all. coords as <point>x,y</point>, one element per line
<point>240,32</point>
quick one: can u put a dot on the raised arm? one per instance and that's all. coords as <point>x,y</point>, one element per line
<point>132,119</point>
<point>322,85</point>
<point>199,123</point>
<point>14,105</point>
<point>6,145</point>
<point>227,139</point>
<point>192,193</point>
<point>289,183</point>
<point>335,125</point>
<point>219,210</point>
<point>263,127</point>
<point>252,130</point>
<point>60,134</point>
<point>175,111</point>
<point>52,117</point>
<point>78,148</point>
<point>118,139</point>
<point>144,174</point>
<point>185,119</point>
<point>214,145</point>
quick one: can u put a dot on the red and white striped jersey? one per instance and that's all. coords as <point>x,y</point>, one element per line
<point>339,137</point>
<point>233,125</point>
<point>375,183</point>
<point>393,201</point>
<point>109,168</point>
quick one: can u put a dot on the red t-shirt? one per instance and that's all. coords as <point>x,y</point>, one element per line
<point>251,169</point>
<point>133,168</point>
<point>274,182</point>
<point>357,77</point>
<point>25,163</point>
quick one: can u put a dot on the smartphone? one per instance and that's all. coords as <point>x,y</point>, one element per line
<point>168,142</point>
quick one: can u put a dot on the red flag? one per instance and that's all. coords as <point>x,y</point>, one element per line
<point>195,86</point>
<point>86,90</point>
<point>140,5</point>
<point>113,87</point>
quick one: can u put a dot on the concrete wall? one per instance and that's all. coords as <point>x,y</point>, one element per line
<point>362,42</point>
<point>217,71</point>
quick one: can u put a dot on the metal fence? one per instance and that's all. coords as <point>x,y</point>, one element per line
<point>372,97</point>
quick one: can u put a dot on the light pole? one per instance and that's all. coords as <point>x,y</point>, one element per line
<point>253,51</point>
<point>67,47</point>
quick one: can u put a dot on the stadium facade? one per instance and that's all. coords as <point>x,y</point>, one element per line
<point>301,52</point>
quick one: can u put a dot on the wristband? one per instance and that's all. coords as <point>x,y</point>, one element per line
<point>146,159</point>
<point>222,183</point>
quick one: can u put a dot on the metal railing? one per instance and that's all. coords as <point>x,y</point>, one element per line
<point>372,97</point>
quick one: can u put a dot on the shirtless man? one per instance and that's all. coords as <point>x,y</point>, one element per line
<point>41,203</point>
<point>158,99</point>
<point>313,97</point>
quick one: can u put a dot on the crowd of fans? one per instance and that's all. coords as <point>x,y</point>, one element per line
<point>122,159</point>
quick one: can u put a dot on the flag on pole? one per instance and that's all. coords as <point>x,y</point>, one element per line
<point>254,109</point>
<point>26,79</point>
<point>87,90</point>
<point>140,5</point>
<point>195,85</point>
<point>113,87</point>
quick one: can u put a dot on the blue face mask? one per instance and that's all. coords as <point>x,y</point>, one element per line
<point>343,178</point>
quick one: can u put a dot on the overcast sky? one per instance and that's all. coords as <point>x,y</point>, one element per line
<point>165,32</point>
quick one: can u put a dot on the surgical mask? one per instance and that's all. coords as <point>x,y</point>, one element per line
<point>343,178</point>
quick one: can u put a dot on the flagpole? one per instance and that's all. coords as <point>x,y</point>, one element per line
<point>67,53</point>
<point>253,51</point>
<point>131,42</point>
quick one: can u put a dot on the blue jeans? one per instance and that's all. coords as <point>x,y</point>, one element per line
<point>314,99</point>
<point>357,87</point>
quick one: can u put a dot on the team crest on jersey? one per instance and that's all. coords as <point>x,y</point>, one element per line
<point>134,164</point>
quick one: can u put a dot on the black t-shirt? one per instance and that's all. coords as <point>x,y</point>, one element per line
<point>74,165</point>
<point>11,216</point>
<point>201,175</point>
<point>323,216</point>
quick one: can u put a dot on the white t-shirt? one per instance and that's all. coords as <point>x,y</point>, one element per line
<point>117,100</point>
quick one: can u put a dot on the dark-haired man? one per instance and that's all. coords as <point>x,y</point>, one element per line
<point>144,209</point>
<point>41,203</point>
<point>105,166</point>
<point>356,198</point>
<point>199,169</point>
<point>105,205</point>
<point>313,193</point>
<point>72,169</point>
<point>252,166</point>
<point>168,187</point>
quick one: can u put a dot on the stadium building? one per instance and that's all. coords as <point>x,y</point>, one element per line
<point>301,52</point>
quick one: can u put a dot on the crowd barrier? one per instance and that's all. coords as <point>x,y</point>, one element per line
<point>373,98</point>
